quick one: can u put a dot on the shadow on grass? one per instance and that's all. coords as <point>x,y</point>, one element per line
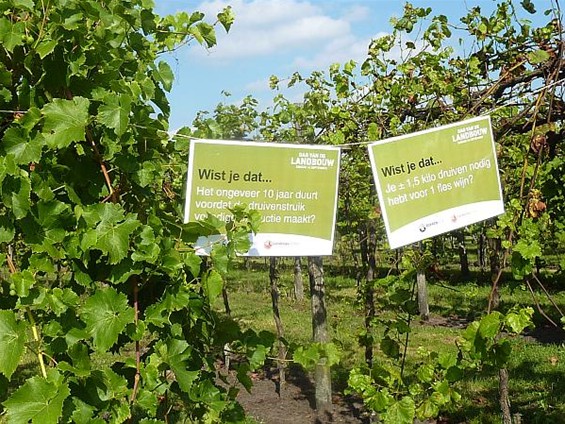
<point>538,395</point>
<point>533,406</point>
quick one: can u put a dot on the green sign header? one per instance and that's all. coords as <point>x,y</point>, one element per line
<point>435,181</point>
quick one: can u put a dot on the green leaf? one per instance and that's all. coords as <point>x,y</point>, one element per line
<point>401,412</point>
<point>309,357</point>
<point>258,357</point>
<point>107,385</point>
<point>176,353</point>
<point>114,238</point>
<point>23,281</point>
<point>220,258</point>
<point>226,18</point>
<point>538,56</point>
<point>520,266</point>
<point>193,262</point>
<point>146,248</point>
<point>529,249</point>
<point>16,195</point>
<point>7,229</point>
<point>123,270</point>
<point>106,315</point>
<point>114,113</point>
<point>489,325</point>
<point>81,363</point>
<point>381,401</point>
<point>46,47</point>
<point>82,413</point>
<point>61,300</point>
<point>528,6</point>
<point>428,409</point>
<point>331,353</point>
<point>243,375</point>
<point>146,174</point>
<point>25,149</point>
<point>447,359</point>
<point>502,351</point>
<point>12,342</point>
<point>426,373</point>
<point>23,4</point>
<point>373,131</point>
<point>213,284</point>
<point>519,320</point>
<point>207,33</point>
<point>454,374</point>
<point>65,121</point>
<point>166,75</point>
<point>390,347</point>
<point>11,35</point>
<point>39,400</point>
<point>112,234</point>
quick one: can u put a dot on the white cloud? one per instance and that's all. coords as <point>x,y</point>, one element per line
<point>276,27</point>
<point>258,85</point>
<point>338,50</point>
<point>357,13</point>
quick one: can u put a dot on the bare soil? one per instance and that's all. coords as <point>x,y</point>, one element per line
<point>296,403</point>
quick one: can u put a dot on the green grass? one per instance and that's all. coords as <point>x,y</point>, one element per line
<point>537,370</point>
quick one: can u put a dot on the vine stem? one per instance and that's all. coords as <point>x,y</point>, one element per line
<point>98,156</point>
<point>36,337</point>
<point>519,218</point>
<point>113,193</point>
<point>137,377</point>
<point>540,310</point>
<point>34,330</point>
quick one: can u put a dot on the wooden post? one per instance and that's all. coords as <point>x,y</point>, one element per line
<point>423,305</point>
<point>298,283</point>
<point>274,277</point>
<point>322,376</point>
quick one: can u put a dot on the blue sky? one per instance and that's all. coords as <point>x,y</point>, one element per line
<point>279,37</point>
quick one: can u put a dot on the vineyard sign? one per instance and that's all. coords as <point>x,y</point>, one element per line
<point>294,187</point>
<point>435,181</point>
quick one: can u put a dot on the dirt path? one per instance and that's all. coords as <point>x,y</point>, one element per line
<point>296,404</point>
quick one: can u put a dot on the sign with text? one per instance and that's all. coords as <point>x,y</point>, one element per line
<point>437,180</point>
<point>293,186</point>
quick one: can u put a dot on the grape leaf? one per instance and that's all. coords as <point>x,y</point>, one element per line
<point>114,113</point>
<point>490,324</point>
<point>39,400</point>
<point>23,282</point>
<point>401,412</point>
<point>226,17</point>
<point>24,148</point>
<point>7,230</point>
<point>11,34</point>
<point>24,4</point>
<point>45,47</point>
<point>166,75</point>
<point>146,249</point>
<point>65,121</point>
<point>12,342</point>
<point>176,353</point>
<point>213,284</point>
<point>112,234</point>
<point>16,195</point>
<point>113,238</point>
<point>106,315</point>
